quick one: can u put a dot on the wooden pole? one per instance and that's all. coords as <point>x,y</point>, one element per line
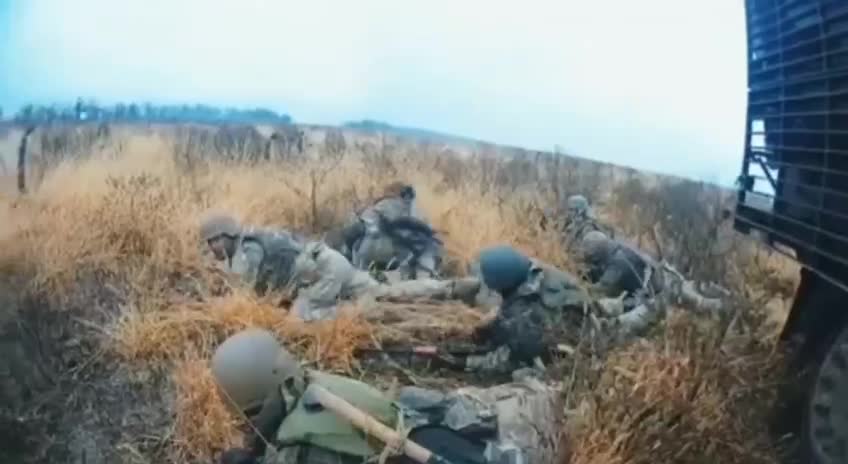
<point>371,426</point>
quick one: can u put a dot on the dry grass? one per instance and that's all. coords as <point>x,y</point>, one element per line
<point>203,423</point>
<point>127,219</point>
<point>683,398</point>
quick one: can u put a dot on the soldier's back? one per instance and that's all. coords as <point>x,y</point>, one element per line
<point>635,266</point>
<point>279,251</point>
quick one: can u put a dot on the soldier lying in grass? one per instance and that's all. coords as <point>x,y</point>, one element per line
<point>638,283</point>
<point>323,276</point>
<point>259,256</point>
<point>511,423</point>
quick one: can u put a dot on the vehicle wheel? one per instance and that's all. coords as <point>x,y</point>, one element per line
<point>827,408</point>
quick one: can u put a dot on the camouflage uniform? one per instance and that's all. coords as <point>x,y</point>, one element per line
<point>261,257</point>
<point>519,422</point>
<point>580,220</point>
<point>345,238</point>
<point>390,231</point>
<point>324,276</point>
<point>406,241</point>
<point>616,268</point>
<point>398,201</point>
<point>633,279</point>
<point>268,257</point>
<point>531,306</point>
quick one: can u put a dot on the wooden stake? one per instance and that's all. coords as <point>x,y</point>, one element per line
<point>371,426</point>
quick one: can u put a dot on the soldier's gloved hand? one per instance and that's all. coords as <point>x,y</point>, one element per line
<point>237,456</point>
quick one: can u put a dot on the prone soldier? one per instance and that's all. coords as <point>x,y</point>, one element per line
<point>323,276</point>
<point>260,257</point>
<point>535,299</point>
<point>258,377</point>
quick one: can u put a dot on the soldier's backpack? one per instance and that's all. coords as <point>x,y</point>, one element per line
<point>280,249</point>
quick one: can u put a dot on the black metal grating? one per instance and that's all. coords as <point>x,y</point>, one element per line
<point>794,182</point>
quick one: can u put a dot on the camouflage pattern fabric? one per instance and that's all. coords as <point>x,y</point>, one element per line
<point>580,220</point>
<point>264,258</point>
<point>325,277</point>
<point>576,229</point>
<point>496,361</point>
<point>626,270</point>
<point>427,289</point>
<point>518,421</point>
<point>244,264</point>
<point>520,329</point>
<point>392,208</point>
<point>405,242</point>
<point>280,249</point>
<point>522,419</point>
<point>345,238</point>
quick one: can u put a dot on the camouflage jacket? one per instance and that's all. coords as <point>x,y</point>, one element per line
<point>526,316</point>
<point>265,258</point>
<point>324,276</point>
<point>627,270</point>
<point>391,208</point>
<point>578,228</point>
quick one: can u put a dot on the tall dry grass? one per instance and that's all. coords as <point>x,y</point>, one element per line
<point>124,218</point>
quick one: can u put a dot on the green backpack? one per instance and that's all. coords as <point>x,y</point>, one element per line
<point>324,429</point>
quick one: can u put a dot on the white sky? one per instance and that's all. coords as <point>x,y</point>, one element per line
<point>653,84</point>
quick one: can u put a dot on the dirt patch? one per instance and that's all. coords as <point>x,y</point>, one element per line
<point>63,399</point>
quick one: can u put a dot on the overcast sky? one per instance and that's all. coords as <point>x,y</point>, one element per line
<point>653,84</point>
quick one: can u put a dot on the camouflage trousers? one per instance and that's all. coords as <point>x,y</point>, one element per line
<point>403,291</point>
<point>521,420</point>
<point>497,361</point>
<point>427,289</point>
<point>381,249</point>
<point>636,314</point>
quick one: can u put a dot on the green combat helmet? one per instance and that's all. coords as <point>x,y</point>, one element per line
<point>250,364</point>
<point>596,247</point>
<point>216,225</point>
<point>503,268</point>
<point>577,205</point>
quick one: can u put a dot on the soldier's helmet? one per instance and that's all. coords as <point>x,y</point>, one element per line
<point>216,225</point>
<point>407,192</point>
<point>596,246</point>
<point>503,268</point>
<point>250,364</point>
<point>577,204</point>
<point>399,190</point>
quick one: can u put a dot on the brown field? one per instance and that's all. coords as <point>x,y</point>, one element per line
<point>110,309</point>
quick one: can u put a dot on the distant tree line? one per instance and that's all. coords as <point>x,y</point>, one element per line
<point>369,125</point>
<point>90,110</point>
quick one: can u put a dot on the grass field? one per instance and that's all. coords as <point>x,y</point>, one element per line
<point>108,291</point>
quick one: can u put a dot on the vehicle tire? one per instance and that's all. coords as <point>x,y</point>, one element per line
<point>826,422</point>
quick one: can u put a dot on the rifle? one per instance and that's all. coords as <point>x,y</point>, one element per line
<point>451,357</point>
